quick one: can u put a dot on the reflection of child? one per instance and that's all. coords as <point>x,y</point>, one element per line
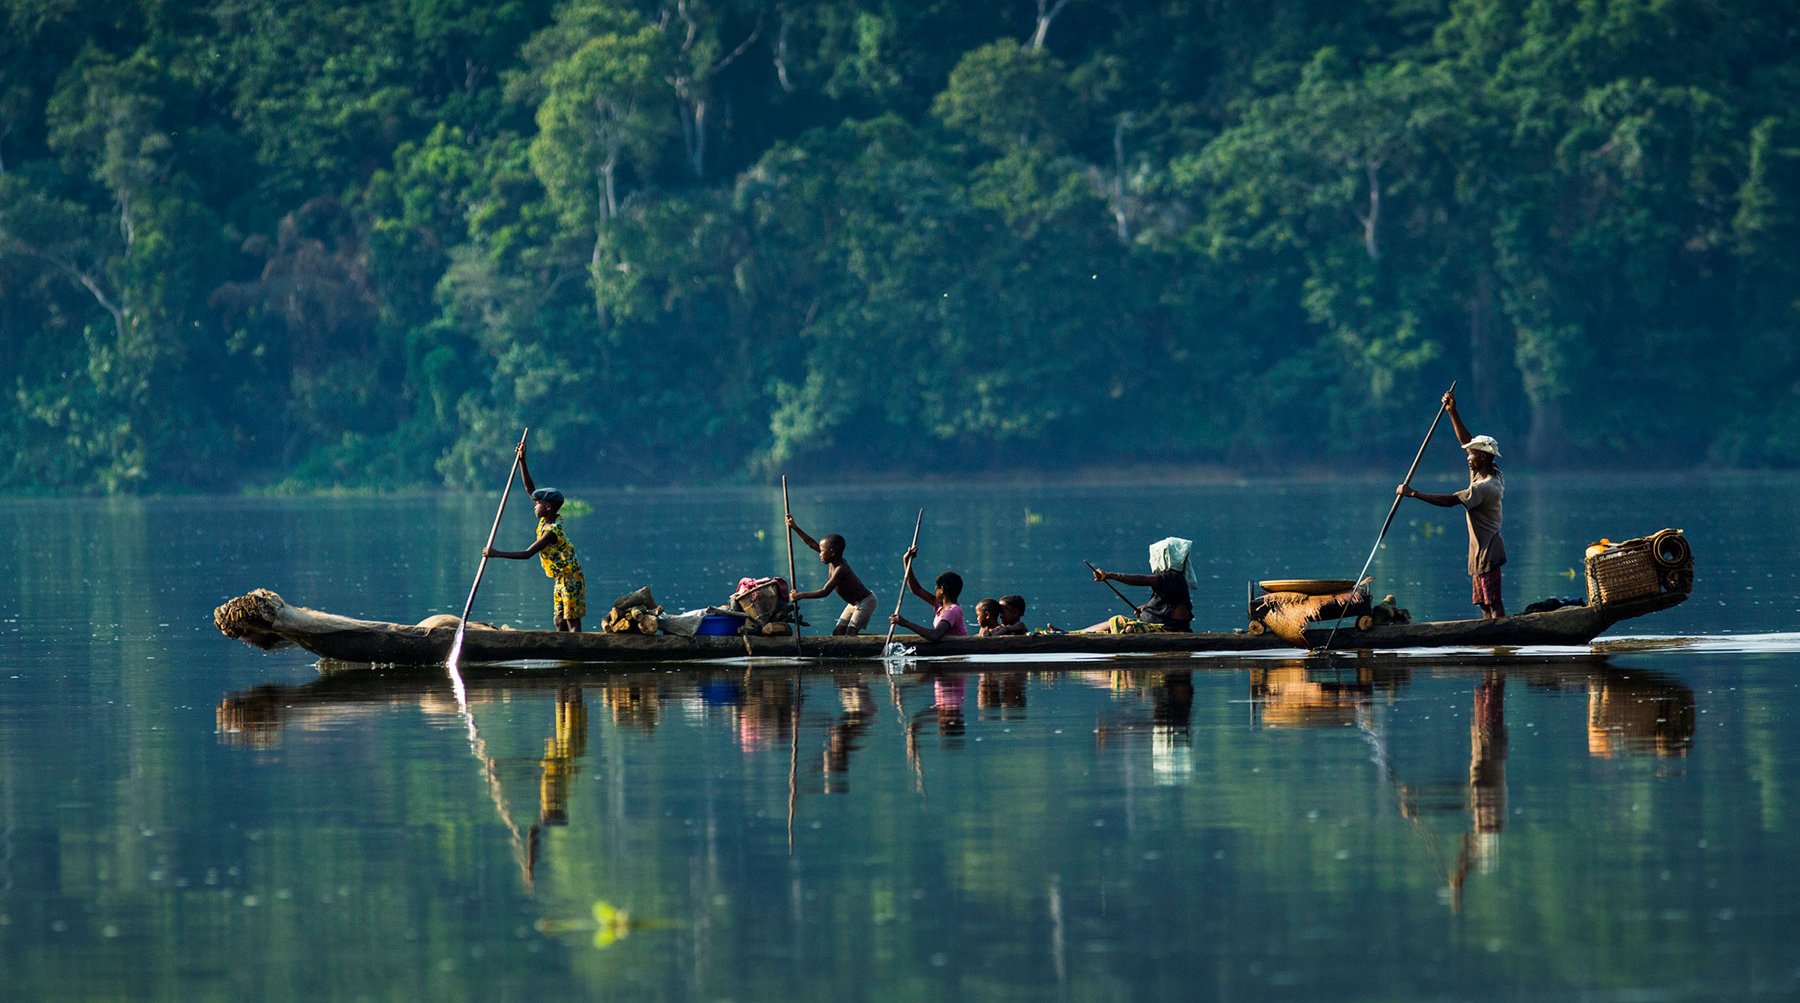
<point>949,619</point>
<point>569,594</point>
<point>845,736</point>
<point>947,703</point>
<point>1012,613</point>
<point>1000,690</point>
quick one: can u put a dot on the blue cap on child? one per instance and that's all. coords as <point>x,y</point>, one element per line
<point>550,495</point>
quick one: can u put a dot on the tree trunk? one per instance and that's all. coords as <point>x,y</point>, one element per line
<point>113,309</point>
<point>126,229</point>
<point>697,144</point>
<point>609,191</point>
<point>609,207</point>
<point>781,49</point>
<point>1372,221</point>
<point>1044,17</point>
<point>1121,217</point>
<point>92,285</point>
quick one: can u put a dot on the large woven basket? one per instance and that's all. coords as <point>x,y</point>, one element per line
<point>1627,571</point>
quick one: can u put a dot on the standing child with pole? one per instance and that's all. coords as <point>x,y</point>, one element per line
<point>568,595</point>
<point>859,602</point>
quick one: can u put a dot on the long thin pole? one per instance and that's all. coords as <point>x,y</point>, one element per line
<point>1122,596</point>
<point>788,513</point>
<point>794,756</point>
<point>1395,507</point>
<point>462,623</point>
<point>904,579</point>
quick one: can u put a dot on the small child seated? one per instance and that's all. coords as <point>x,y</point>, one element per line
<point>1012,618</point>
<point>987,617</point>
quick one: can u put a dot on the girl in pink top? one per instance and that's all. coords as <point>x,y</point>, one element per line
<point>948,621</point>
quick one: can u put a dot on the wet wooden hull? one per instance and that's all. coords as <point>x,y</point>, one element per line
<point>264,620</point>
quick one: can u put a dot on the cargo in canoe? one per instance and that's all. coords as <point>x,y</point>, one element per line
<point>263,619</point>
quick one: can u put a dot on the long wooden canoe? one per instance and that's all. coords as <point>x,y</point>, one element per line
<point>263,619</point>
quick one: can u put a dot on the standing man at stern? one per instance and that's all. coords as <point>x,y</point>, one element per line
<point>1481,503</point>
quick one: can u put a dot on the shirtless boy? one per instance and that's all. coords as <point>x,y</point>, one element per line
<point>859,602</point>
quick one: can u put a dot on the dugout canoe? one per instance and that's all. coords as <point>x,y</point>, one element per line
<point>263,619</point>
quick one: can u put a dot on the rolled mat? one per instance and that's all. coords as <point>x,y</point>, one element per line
<point>1669,549</point>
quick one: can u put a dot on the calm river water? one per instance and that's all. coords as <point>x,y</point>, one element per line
<point>182,817</point>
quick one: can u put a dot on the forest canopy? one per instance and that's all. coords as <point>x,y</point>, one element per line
<point>302,244</point>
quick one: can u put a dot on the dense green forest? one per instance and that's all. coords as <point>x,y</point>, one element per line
<point>313,243</point>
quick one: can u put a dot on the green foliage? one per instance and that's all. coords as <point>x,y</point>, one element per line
<point>1004,95</point>
<point>319,244</point>
<point>600,115</point>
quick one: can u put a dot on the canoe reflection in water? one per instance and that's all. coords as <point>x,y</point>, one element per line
<point>1294,694</point>
<point>256,717</point>
<point>1629,712</point>
<point>633,705</point>
<point>1168,719</point>
<point>1639,713</point>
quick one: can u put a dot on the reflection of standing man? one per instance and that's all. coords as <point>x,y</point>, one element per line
<point>1487,781</point>
<point>1487,761</point>
<point>1481,503</point>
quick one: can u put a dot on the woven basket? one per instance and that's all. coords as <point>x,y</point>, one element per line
<point>761,601</point>
<point>1627,571</point>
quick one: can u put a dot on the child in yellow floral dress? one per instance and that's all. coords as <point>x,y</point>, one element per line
<point>552,547</point>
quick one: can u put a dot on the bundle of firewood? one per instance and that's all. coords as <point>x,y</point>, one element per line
<point>633,613</point>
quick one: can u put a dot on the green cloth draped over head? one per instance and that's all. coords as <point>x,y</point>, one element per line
<point>1171,554</point>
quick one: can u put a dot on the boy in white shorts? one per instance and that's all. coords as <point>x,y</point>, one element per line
<point>859,602</point>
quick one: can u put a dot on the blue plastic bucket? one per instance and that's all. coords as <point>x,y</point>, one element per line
<point>718,625</point>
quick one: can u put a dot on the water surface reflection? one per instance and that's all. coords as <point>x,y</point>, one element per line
<point>825,722</point>
<point>1608,829</point>
<point>1030,821</point>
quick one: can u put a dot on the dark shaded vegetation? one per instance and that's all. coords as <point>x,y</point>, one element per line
<point>311,244</point>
